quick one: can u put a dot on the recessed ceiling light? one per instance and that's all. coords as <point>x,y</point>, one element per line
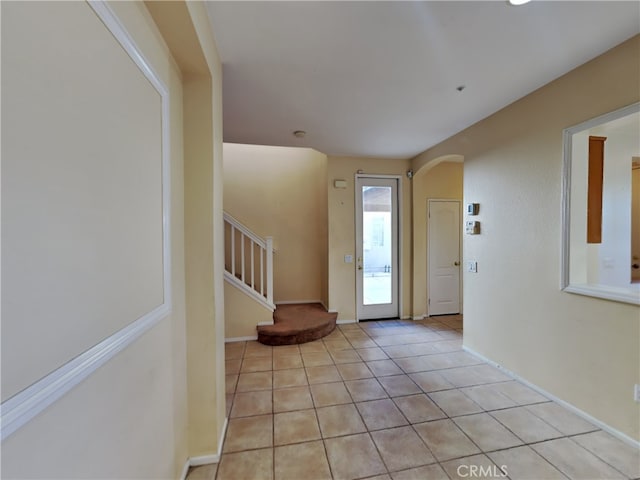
<point>299,133</point>
<point>518,2</point>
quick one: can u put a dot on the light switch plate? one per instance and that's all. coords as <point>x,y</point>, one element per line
<point>472,267</point>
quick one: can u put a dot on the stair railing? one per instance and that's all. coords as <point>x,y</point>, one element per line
<point>249,261</point>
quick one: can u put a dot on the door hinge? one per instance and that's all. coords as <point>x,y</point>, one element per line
<point>429,302</point>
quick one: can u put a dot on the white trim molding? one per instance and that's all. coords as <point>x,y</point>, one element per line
<point>21,408</point>
<point>597,423</point>
<point>262,290</point>
<point>247,290</point>
<point>25,405</point>
<point>345,322</point>
<point>399,239</point>
<point>249,338</point>
<point>206,459</point>
<point>185,470</point>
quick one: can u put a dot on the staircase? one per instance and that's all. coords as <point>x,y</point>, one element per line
<point>249,267</point>
<point>248,261</point>
<point>298,323</point>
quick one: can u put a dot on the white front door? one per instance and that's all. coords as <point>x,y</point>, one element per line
<point>377,247</point>
<point>443,257</point>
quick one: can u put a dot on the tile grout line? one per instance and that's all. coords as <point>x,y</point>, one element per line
<point>389,396</point>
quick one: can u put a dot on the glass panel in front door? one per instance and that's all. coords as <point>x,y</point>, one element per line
<point>376,245</point>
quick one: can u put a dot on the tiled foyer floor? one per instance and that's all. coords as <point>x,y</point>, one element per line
<point>398,400</point>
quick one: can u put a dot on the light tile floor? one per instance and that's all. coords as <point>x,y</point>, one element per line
<point>398,400</point>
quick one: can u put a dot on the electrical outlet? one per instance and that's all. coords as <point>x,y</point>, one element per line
<point>636,393</point>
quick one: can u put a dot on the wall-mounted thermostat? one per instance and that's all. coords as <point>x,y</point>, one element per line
<point>472,227</point>
<point>473,208</point>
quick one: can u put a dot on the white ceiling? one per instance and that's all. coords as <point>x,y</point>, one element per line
<point>379,79</point>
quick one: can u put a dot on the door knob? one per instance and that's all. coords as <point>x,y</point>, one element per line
<point>456,263</point>
<point>359,267</point>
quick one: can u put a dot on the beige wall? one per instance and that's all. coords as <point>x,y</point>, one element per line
<point>242,314</point>
<point>106,200</point>
<point>201,329</point>
<point>187,29</point>
<point>342,277</point>
<point>136,401</point>
<point>280,192</point>
<point>586,351</point>
<point>143,413</point>
<point>443,181</point>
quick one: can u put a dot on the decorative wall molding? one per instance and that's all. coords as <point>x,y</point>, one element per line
<point>21,408</point>
<point>24,406</point>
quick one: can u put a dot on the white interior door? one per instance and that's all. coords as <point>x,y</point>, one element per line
<point>443,257</point>
<point>377,247</point>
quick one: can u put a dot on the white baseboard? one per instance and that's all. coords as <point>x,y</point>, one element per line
<point>241,339</point>
<point>260,324</point>
<point>185,470</point>
<point>616,433</point>
<point>420,317</point>
<point>343,322</point>
<point>203,460</point>
<point>406,317</point>
<point>223,435</point>
<point>298,302</point>
<point>206,459</point>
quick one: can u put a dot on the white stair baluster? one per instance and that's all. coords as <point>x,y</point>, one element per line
<point>264,292</point>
